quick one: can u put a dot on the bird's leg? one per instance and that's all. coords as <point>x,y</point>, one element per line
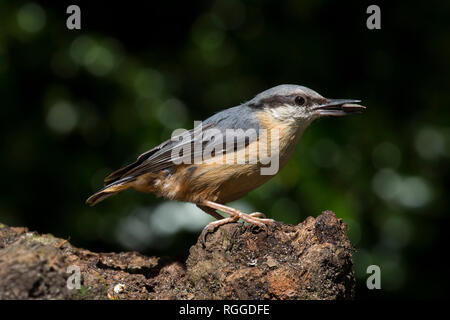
<point>253,218</point>
<point>210,211</point>
<point>235,215</point>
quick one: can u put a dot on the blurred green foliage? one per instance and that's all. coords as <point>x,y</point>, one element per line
<point>76,105</point>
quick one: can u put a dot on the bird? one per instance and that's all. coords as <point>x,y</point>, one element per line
<point>243,143</point>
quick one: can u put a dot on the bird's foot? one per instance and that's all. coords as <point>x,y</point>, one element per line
<point>252,218</point>
<point>210,227</point>
<point>256,218</point>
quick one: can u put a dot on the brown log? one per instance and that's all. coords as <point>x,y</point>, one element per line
<point>311,260</point>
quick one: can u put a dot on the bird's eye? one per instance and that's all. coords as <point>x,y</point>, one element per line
<point>300,101</point>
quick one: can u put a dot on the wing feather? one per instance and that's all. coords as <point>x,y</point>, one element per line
<point>162,157</point>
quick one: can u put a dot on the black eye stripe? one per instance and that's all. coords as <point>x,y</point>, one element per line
<point>278,100</point>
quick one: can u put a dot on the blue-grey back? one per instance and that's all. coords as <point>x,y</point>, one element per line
<point>239,117</point>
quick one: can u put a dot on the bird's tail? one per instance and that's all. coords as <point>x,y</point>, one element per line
<point>109,190</point>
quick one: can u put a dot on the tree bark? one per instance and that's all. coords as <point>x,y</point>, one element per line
<point>311,260</point>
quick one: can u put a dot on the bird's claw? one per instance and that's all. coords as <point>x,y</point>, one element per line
<point>257,215</point>
<point>213,225</point>
<point>203,234</point>
<point>256,218</point>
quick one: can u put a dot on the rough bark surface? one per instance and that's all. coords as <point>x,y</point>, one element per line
<point>311,260</point>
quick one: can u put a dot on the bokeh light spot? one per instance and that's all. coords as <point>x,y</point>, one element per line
<point>147,226</point>
<point>414,192</point>
<point>62,117</point>
<point>429,143</point>
<point>31,18</point>
<point>97,58</point>
<point>149,83</point>
<point>172,113</point>
<point>409,192</point>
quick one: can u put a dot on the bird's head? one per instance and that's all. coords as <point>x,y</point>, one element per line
<point>299,105</point>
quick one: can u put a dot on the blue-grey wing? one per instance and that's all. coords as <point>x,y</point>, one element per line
<point>226,131</point>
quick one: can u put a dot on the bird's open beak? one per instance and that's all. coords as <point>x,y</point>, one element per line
<point>339,107</point>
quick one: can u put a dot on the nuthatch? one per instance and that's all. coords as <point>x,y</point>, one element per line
<point>286,110</point>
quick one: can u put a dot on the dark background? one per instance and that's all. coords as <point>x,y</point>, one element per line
<point>76,105</point>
